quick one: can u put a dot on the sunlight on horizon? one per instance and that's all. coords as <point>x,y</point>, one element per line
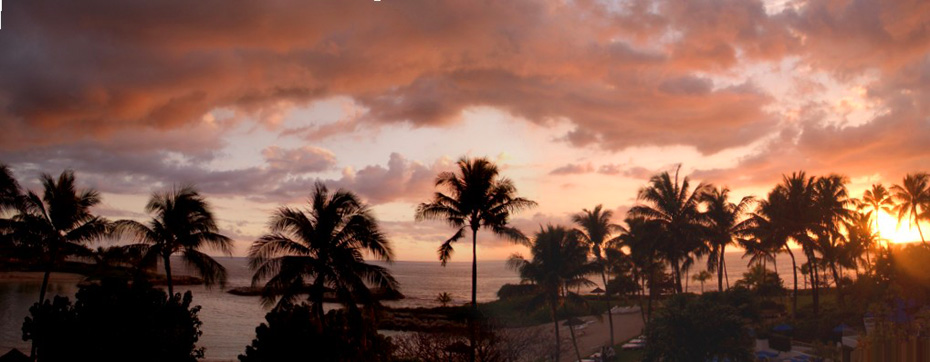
<point>890,230</point>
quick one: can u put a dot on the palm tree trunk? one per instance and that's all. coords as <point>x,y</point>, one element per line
<point>571,331</point>
<point>720,269</point>
<point>917,222</point>
<point>610,313</point>
<point>836,280</point>
<point>474,268</point>
<point>725,275</point>
<point>558,340</point>
<point>794,294</point>
<point>474,292</point>
<point>677,271</point>
<point>48,274</point>
<point>167,258</point>
<point>814,283</point>
<point>642,295</point>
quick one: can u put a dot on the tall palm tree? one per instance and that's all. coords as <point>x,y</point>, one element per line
<point>322,248</point>
<point>674,207</point>
<point>641,238</point>
<point>725,224</point>
<point>182,222</point>
<point>559,264</point>
<point>477,198</point>
<point>860,238</point>
<point>595,230</point>
<point>913,199</point>
<point>60,221</point>
<point>877,199</point>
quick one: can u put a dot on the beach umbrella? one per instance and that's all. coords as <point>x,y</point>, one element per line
<point>784,327</point>
<point>597,291</point>
<point>573,321</point>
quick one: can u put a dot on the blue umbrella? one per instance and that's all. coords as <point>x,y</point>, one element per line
<point>842,328</point>
<point>784,327</point>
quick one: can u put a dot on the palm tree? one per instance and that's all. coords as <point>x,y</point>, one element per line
<point>60,221</point>
<point>322,248</point>
<point>877,199</point>
<point>10,192</point>
<point>559,264</point>
<point>860,238</point>
<point>831,201</point>
<point>10,199</point>
<point>701,277</point>
<point>477,198</point>
<point>725,224</point>
<point>913,199</point>
<point>595,231</point>
<point>181,222</point>
<point>641,237</point>
<point>787,214</point>
<point>674,207</point>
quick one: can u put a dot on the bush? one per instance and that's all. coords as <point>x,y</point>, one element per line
<point>294,333</point>
<point>691,328</point>
<point>508,291</point>
<point>113,321</point>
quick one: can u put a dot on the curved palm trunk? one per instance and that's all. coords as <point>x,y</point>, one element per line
<point>794,294</point>
<point>610,313</point>
<point>571,331</point>
<point>917,222</point>
<point>555,323</point>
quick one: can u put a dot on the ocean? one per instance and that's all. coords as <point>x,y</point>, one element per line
<point>229,321</point>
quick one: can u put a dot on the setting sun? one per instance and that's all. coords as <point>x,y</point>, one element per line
<point>890,230</point>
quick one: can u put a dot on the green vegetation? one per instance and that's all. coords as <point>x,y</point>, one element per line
<point>115,321</point>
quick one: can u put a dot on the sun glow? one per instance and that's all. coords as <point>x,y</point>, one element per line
<point>890,230</point>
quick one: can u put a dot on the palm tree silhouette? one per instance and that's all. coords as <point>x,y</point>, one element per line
<point>641,237</point>
<point>877,199</point>
<point>10,200</point>
<point>595,231</point>
<point>913,199</point>
<point>725,220</point>
<point>477,198</point>
<point>320,249</point>
<point>559,263</point>
<point>60,220</point>
<point>675,209</point>
<point>182,222</point>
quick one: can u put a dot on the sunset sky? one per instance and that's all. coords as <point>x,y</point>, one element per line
<point>579,102</point>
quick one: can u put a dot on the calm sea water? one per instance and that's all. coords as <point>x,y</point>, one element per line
<point>229,321</point>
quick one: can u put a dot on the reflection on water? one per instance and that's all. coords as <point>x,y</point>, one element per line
<point>15,300</point>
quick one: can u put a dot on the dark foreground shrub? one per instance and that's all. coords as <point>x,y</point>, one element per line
<point>293,333</point>
<point>690,328</point>
<point>114,321</point>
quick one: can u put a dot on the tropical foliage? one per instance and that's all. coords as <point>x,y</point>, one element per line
<point>320,250</point>
<point>182,223</point>
<point>476,197</point>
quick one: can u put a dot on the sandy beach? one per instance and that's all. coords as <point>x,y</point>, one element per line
<point>596,333</point>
